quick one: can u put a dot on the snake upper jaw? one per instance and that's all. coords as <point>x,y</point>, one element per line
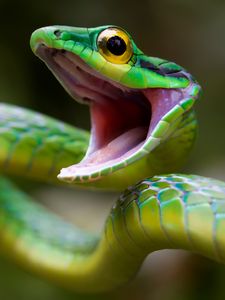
<point>123,119</point>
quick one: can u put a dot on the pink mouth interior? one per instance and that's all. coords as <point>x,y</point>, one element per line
<point>122,118</point>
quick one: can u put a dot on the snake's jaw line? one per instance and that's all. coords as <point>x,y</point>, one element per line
<point>66,175</point>
<point>128,123</point>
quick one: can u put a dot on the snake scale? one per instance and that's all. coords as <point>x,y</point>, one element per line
<point>142,125</point>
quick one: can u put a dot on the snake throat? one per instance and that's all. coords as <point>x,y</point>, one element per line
<point>122,118</point>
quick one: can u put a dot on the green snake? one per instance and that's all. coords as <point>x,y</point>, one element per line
<point>142,125</point>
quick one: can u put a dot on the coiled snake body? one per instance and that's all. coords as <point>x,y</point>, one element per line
<point>143,125</point>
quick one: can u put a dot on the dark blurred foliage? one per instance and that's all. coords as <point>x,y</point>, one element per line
<point>191,33</point>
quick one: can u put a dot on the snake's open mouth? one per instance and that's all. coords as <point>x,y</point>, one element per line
<point>122,118</point>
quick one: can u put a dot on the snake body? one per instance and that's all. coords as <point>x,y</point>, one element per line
<point>161,211</point>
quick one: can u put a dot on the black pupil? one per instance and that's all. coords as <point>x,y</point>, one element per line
<point>116,45</point>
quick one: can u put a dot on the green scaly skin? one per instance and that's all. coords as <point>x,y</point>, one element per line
<point>168,211</point>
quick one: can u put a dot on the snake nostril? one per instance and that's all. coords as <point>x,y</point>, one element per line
<point>57,33</point>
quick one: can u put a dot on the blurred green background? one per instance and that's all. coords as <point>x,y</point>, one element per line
<point>192,33</point>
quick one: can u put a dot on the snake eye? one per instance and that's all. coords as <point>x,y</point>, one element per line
<point>115,45</point>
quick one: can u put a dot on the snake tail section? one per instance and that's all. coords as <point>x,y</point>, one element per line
<point>171,211</point>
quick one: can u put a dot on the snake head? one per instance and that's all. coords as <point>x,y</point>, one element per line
<point>142,121</point>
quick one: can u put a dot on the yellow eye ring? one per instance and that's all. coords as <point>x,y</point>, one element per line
<point>114,45</point>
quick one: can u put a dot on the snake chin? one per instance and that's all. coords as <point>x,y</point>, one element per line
<point>122,118</point>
